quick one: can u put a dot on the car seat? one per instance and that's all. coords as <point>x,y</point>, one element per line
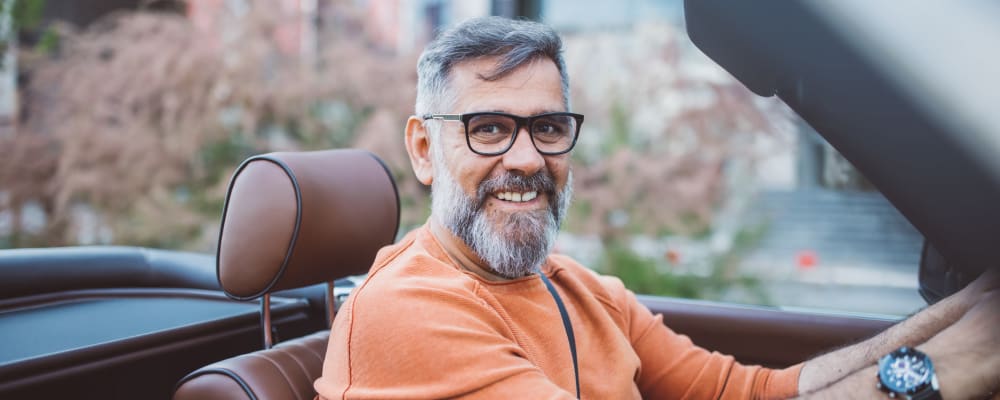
<point>292,220</point>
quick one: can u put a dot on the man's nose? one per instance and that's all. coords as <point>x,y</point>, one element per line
<point>523,156</point>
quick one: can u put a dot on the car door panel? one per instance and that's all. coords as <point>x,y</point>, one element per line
<point>760,335</point>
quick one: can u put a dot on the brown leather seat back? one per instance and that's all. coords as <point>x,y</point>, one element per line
<point>293,220</point>
<point>285,371</point>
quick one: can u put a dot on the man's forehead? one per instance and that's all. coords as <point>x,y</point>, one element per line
<point>483,69</point>
<point>534,87</point>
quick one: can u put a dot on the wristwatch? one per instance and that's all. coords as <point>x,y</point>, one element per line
<point>908,374</point>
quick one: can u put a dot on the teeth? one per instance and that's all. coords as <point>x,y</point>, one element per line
<point>517,197</point>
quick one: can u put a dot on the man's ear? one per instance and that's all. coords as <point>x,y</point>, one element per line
<point>418,146</point>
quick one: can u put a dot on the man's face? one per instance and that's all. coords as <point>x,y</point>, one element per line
<point>506,208</point>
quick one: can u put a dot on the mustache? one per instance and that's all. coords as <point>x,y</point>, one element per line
<point>541,182</point>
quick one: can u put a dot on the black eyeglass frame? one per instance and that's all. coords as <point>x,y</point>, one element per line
<point>519,122</point>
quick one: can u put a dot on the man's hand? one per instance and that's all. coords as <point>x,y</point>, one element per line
<point>966,355</point>
<point>988,281</point>
<point>920,328</point>
<point>958,303</point>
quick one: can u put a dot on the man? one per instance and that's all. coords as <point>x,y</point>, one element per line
<point>460,307</point>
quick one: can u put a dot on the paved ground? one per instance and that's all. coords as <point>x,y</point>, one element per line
<point>832,249</point>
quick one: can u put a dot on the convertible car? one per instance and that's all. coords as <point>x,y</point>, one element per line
<point>906,92</point>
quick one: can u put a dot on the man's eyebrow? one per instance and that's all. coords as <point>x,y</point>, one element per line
<point>548,111</point>
<point>544,111</point>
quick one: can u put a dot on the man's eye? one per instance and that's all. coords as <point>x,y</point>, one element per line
<point>549,132</point>
<point>545,128</point>
<point>488,129</point>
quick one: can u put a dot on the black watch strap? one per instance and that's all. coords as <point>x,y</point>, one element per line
<point>930,394</point>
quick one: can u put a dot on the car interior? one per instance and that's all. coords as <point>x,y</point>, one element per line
<point>161,323</point>
<point>292,221</point>
<point>128,322</point>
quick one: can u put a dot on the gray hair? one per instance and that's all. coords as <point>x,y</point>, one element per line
<point>516,42</point>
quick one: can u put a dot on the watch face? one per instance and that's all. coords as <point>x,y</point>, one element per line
<point>905,370</point>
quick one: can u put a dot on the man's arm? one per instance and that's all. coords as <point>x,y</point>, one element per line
<point>831,367</point>
<point>826,369</point>
<point>964,355</point>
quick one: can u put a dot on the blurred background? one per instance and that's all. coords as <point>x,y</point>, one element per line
<point>121,122</point>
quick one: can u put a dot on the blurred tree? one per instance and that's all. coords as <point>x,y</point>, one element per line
<point>140,118</point>
<point>666,128</point>
<point>663,125</point>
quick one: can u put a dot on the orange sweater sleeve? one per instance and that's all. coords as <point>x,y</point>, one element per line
<point>674,367</point>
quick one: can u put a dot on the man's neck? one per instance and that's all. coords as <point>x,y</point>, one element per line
<point>461,254</point>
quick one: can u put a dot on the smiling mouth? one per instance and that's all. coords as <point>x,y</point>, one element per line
<point>516,197</point>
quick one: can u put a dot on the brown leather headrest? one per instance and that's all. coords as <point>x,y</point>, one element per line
<point>297,219</point>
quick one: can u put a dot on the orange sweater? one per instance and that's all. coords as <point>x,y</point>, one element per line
<point>422,327</point>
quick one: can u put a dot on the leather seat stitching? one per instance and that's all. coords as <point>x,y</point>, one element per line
<point>277,366</point>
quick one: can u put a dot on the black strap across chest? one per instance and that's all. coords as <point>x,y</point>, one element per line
<point>568,326</point>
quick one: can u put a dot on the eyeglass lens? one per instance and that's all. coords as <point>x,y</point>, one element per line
<point>492,133</point>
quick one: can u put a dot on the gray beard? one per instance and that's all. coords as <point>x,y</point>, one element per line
<point>523,241</point>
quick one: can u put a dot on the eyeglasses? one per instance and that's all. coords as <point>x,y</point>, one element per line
<point>493,133</point>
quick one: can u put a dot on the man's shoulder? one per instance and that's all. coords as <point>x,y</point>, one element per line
<point>606,288</point>
<point>407,272</point>
<point>561,262</point>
